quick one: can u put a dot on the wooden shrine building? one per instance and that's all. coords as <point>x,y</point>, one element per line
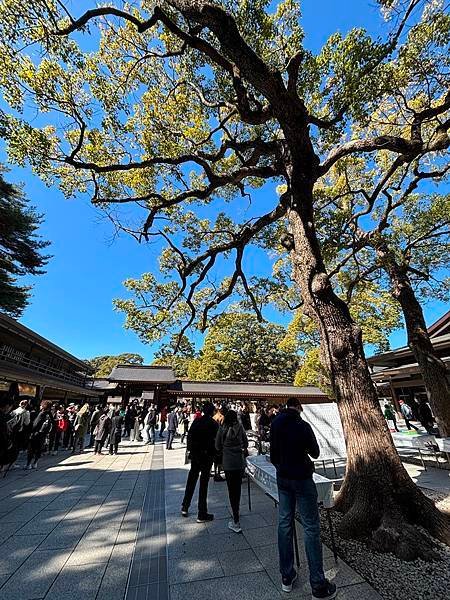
<point>397,374</point>
<point>40,369</point>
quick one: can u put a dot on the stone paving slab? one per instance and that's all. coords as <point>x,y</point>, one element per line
<point>209,562</point>
<point>109,528</point>
<point>244,587</point>
<point>77,581</point>
<point>16,550</point>
<point>34,578</point>
<point>240,561</point>
<point>69,529</point>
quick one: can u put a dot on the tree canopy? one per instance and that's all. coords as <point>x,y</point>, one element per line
<point>103,365</point>
<point>21,248</point>
<point>113,124</point>
<point>177,353</point>
<point>239,348</point>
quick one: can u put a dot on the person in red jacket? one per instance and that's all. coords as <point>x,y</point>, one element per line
<point>62,425</point>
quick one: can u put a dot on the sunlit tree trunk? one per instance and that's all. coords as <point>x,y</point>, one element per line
<point>431,367</point>
<point>377,497</point>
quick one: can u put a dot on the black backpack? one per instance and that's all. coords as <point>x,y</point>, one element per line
<point>44,428</point>
<point>152,419</point>
<point>9,450</point>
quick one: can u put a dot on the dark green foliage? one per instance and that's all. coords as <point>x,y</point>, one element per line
<point>20,248</point>
<point>103,365</point>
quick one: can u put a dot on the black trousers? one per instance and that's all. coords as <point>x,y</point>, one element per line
<point>67,438</point>
<point>113,448</point>
<point>409,424</point>
<point>51,439</point>
<point>57,440</point>
<point>98,445</point>
<point>199,466</point>
<point>35,447</point>
<point>234,483</point>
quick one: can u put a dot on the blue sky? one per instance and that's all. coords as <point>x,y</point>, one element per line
<point>72,302</point>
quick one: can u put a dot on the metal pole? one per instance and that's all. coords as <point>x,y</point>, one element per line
<point>333,541</point>
<point>437,459</point>
<point>248,490</point>
<point>421,458</point>
<point>297,556</point>
<point>334,467</point>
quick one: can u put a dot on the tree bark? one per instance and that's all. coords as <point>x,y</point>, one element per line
<point>432,369</point>
<point>378,498</point>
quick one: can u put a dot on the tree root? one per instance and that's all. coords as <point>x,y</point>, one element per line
<point>408,528</point>
<point>404,540</point>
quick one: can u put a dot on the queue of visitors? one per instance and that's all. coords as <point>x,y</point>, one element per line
<point>53,427</point>
<point>216,436</point>
<point>417,410</point>
<point>222,431</point>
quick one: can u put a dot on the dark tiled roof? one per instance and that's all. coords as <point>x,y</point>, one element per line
<point>142,374</point>
<point>255,390</point>
<point>441,326</point>
<point>381,374</point>
<point>11,372</point>
<point>101,384</point>
<point>391,357</point>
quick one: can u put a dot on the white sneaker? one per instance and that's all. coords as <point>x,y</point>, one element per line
<point>236,527</point>
<point>34,466</point>
<point>287,584</point>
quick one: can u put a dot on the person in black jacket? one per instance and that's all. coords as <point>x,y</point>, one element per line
<point>292,443</point>
<point>426,416</point>
<point>6,405</point>
<point>42,426</point>
<point>201,441</point>
<point>115,435</point>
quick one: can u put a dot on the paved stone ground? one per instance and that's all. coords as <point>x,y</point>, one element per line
<point>69,530</point>
<point>109,528</point>
<point>208,562</point>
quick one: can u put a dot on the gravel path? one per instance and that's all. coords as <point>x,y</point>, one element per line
<point>395,579</point>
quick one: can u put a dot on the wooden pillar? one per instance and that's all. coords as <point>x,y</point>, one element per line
<point>125,394</point>
<point>394,397</point>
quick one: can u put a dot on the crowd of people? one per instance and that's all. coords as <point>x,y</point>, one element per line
<point>52,427</point>
<point>216,437</point>
<point>416,410</point>
<point>220,435</point>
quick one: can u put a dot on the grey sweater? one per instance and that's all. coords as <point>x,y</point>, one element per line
<point>231,442</point>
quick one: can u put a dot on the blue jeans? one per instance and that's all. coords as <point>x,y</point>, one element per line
<point>170,436</point>
<point>150,434</point>
<point>301,495</point>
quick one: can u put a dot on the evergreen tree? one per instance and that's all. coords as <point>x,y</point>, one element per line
<point>20,248</point>
<point>239,348</point>
<point>178,354</point>
<point>103,365</point>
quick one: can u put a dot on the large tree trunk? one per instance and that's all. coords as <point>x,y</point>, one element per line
<point>378,498</point>
<point>433,370</point>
